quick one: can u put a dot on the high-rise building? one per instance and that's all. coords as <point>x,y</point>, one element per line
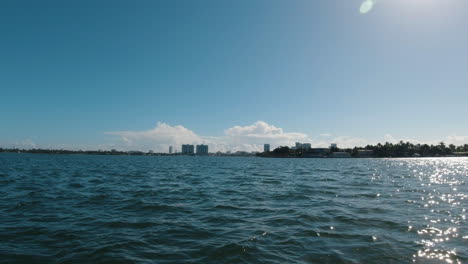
<point>171,150</point>
<point>202,149</point>
<point>298,145</point>
<point>266,148</point>
<point>188,149</point>
<point>306,146</point>
<point>333,145</point>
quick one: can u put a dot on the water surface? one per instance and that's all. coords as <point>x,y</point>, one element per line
<point>140,209</point>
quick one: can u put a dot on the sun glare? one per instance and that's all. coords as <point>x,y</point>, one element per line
<point>368,5</point>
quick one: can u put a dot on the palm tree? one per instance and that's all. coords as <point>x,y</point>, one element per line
<point>452,148</point>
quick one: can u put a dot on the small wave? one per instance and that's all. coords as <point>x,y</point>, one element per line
<point>127,224</point>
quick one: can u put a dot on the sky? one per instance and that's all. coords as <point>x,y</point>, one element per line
<point>143,75</point>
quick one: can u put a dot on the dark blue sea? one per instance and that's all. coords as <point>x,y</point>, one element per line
<point>145,209</point>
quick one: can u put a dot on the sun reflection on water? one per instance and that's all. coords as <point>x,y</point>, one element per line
<point>439,232</point>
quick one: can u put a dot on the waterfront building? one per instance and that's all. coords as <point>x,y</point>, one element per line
<point>317,153</point>
<point>266,148</point>
<point>340,155</point>
<point>333,146</point>
<point>364,153</point>
<point>299,145</point>
<point>171,150</point>
<point>188,149</point>
<point>306,146</point>
<point>202,149</point>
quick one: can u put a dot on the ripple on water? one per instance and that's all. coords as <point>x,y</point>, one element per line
<point>128,209</point>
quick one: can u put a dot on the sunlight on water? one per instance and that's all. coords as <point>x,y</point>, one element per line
<point>232,210</point>
<point>440,232</point>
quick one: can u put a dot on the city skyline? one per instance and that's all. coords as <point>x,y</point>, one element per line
<point>250,138</point>
<point>234,75</point>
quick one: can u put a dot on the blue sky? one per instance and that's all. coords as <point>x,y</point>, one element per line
<point>81,73</point>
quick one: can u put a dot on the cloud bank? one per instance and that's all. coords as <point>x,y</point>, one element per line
<point>243,138</point>
<point>254,136</point>
<point>237,138</point>
<point>157,139</point>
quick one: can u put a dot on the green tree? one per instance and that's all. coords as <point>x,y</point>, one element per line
<point>453,148</point>
<point>281,151</point>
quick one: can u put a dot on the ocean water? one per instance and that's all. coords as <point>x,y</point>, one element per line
<point>139,209</point>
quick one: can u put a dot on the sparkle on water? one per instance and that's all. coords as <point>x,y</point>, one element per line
<point>60,208</point>
<point>445,204</point>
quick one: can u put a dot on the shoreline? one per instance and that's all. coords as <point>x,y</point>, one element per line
<point>97,153</point>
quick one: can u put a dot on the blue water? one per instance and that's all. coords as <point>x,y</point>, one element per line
<point>140,209</point>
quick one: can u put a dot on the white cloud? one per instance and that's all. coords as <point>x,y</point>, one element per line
<point>243,138</point>
<point>237,138</point>
<point>452,139</point>
<point>253,137</point>
<point>258,128</point>
<point>350,142</point>
<point>391,139</point>
<point>341,141</point>
<point>158,138</point>
<point>22,144</point>
<point>456,140</point>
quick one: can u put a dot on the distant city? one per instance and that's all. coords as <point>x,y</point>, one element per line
<point>333,151</point>
<point>299,150</point>
<point>305,150</point>
<point>202,150</point>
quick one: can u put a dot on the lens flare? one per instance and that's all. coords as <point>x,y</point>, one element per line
<point>367,6</point>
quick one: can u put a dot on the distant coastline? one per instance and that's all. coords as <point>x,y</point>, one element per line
<point>117,152</point>
<point>387,150</point>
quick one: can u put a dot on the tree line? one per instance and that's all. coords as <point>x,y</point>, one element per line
<point>407,149</point>
<point>400,149</point>
<point>85,152</point>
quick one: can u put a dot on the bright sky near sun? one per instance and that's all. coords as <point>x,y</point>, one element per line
<point>234,74</point>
